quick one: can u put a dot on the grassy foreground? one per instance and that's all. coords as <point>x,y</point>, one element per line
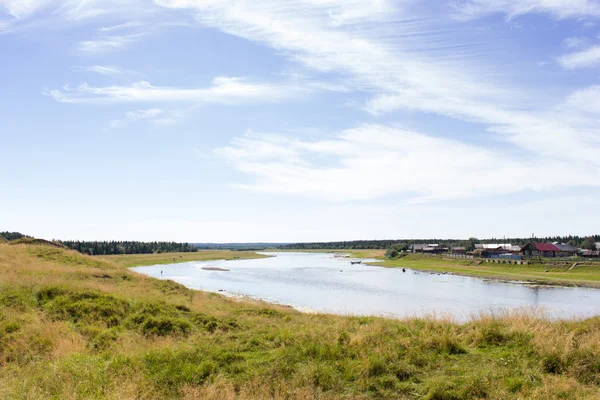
<point>78,327</point>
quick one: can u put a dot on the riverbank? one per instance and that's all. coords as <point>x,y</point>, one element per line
<point>73,326</point>
<point>138,260</point>
<point>547,274</point>
<point>542,274</point>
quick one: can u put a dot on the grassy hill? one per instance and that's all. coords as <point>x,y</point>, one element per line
<point>74,327</point>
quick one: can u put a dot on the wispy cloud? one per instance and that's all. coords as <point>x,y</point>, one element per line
<point>151,113</point>
<point>576,42</point>
<point>470,9</point>
<point>399,73</point>
<point>585,100</point>
<point>108,43</point>
<point>224,90</point>
<point>105,70</point>
<point>156,117</point>
<point>374,161</point>
<point>587,58</point>
<point>124,25</point>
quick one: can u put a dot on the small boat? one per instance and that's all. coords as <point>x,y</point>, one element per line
<point>355,262</point>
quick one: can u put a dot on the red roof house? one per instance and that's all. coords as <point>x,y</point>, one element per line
<point>540,249</point>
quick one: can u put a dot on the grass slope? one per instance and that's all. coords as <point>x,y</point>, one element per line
<point>74,327</point>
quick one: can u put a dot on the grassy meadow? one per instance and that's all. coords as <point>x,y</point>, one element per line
<point>79,327</point>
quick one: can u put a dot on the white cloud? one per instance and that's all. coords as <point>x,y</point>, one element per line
<point>108,43</point>
<point>404,76</point>
<point>576,42</point>
<point>118,27</point>
<point>105,70</point>
<point>22,9</point>
<point>581,59</point>
<point>76,10</point>
<point>224,90</point>
<point>151,113</point>
<point>586,100</point>
<point>470,9</point>
<point>374,161</point>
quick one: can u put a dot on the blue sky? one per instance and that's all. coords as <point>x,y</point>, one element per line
<point>299,120</point>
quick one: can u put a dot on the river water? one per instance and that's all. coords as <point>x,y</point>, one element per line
<point>321,282</point>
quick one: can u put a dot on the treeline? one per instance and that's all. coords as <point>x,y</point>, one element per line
<point>115,247</point>
<point>350,245</point>
<point>469,244</point>
<point>12,235</point>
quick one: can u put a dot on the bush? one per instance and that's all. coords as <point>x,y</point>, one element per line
<point>88,307</point>
<point>164,326</point>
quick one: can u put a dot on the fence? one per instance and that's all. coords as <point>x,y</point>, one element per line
<point>464,256</point>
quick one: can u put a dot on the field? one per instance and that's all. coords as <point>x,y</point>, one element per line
<point>79,327</point>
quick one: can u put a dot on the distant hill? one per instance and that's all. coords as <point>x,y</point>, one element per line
<point>34,241</point>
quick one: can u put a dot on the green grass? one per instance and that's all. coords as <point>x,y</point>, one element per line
<point>74,327</point>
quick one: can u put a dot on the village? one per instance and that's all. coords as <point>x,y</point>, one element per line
<point>509,252</point>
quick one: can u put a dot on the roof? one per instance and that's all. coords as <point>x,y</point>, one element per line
<point>459,248</point>
<point>591,253</point>
<point>493,246</point>
<point>566,247</point>
<point>420,246</point>
<point>546,247</point>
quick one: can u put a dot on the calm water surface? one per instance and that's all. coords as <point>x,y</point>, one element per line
<point>321,282</point>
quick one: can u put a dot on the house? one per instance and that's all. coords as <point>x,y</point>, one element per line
<point>540,250</point>
<point>458,250</point>
<point>494,246</point>
<point>490,250</point>
<point>591,253</point>
<point>433,248</point>
<point>566,250</point>
<point>417,248</point>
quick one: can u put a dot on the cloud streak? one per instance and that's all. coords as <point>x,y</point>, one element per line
<point>471,9</point>
<point>108,43</point>
<point>224,90</point>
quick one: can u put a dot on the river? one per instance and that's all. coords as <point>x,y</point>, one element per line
<point>321,282</point>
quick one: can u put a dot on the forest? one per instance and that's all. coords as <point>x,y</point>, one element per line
<point>129,247</point>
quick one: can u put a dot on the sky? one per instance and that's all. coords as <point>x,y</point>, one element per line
<point>299,120</point>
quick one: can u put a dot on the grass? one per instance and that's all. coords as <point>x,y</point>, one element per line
<point>73,326</point>
<point>582,275</point>
<point>133,260</point>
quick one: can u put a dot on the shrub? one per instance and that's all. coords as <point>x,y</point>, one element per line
<point>164,326</point>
